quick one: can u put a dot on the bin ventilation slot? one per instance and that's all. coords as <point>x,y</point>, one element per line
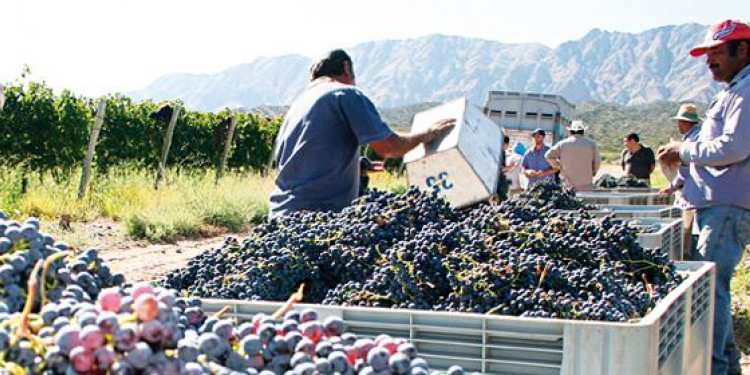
<point>701,298</point>
<point>671,327</point>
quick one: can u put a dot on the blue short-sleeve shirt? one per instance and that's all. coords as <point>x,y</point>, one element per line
<point>317,149</point>
<point>535,160</point>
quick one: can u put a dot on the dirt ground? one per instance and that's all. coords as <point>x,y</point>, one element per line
<point>143,261</point>
<point>138,260</point>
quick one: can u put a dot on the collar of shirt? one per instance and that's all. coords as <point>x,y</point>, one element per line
<point>691,133</point>
<point>543,149</point>
<point>744,73</point>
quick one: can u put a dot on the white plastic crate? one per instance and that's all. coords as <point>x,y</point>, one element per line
<point>629,211</point>
<point>618,197</point>
<point>464,165</point>
<point>673,339</point>
<point>659,211</point>
<point>668,237</point>
<point>611,197</point>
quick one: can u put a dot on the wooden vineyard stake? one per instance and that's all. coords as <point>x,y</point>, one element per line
<point>227,146</point>
<point>86,175</point>
<point>162,171</point>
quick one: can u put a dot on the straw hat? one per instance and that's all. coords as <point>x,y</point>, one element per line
<point>687,112</point>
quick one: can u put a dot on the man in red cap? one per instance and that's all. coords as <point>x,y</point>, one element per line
<point>719,174</point>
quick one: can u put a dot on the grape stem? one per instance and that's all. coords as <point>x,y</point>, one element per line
<point>31,284</point>
<point>296,297</point>
<point>45,267</point>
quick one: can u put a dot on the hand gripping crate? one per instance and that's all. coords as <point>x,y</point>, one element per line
<point>673,339</point>
<point>464,165</point>
<point>668,237</point>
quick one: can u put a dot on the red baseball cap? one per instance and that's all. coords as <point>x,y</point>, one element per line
<point>721,33</point>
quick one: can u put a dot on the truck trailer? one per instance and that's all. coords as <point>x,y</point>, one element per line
<point>519,113</point>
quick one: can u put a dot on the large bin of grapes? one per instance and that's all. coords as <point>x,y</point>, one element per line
<point>674,338</point>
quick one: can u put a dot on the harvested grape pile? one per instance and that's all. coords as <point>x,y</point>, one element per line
<point>60,316</point>
<point>523,257</point>
<point>628,181</point>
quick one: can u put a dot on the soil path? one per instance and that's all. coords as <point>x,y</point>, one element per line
<point>143,261</point>
<point>138,260</point>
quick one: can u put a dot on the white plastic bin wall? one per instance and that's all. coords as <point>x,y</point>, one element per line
<point>625,211</point>
<point>668,237</point>
<point>657,199</point>
<point>625,198</point>
<point>626,190</point>
<point>612,197</point>
<point>672,339</point>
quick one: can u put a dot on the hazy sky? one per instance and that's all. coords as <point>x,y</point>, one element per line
<point>96,47</point>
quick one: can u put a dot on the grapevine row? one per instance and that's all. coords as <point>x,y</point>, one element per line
<point>43,131</point>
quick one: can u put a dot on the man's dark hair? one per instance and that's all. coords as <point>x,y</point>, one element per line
<point>332,64</point>
<point>734,45</point>
<point>506,139</point>
<point>633,137</point>
<point>578,132</point>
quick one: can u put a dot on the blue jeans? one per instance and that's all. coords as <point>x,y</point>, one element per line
<point>724,233</point>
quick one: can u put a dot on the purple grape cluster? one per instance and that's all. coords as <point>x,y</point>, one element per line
<point>22,244</point>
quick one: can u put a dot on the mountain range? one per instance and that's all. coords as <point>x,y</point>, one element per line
<point>602,66</point>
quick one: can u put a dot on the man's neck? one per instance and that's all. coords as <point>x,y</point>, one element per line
<point>538,147</point>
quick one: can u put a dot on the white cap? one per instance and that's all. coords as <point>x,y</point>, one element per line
<point>576,126</point>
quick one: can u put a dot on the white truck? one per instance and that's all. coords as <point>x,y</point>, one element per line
<point>519,113</point>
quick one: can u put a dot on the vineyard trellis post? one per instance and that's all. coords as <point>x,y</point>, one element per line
<point>86,175</point>
<point>227,146</point>
<point>162,171</point>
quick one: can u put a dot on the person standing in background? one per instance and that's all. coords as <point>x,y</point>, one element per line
<point>636,159</point>
<point>534,166</point>
<point>688,124</point>
<point>512,169</point>
<point>577,158</point>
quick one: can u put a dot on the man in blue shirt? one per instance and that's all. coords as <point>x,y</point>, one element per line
<point>535,166</point>
<point>719,175</point>
<point>318,145</point>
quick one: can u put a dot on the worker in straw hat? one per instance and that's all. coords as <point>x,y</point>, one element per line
<point>719,175</point>
<point>577,158</point>
<point>688,124</point>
